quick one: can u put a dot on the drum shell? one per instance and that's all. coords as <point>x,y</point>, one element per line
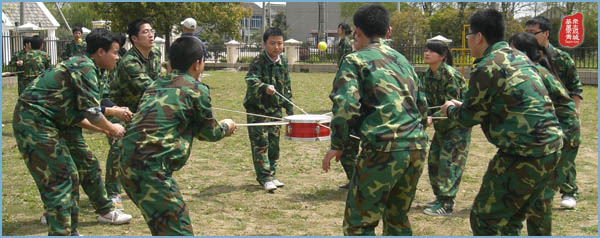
<point>307,127</point>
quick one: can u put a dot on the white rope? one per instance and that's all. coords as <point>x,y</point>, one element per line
<point>276,123</point>
<point>435,118</point>
<point>247,113</point>
<point>290,102</point>
<point>434,107</point>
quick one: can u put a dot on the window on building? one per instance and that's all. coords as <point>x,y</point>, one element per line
<point>256,22</point>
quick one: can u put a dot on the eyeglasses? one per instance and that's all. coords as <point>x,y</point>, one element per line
<point>470,33</point>
<point>148,31</point>
<point>535,33</point>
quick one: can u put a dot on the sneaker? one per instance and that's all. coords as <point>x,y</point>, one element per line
<point>439,209</point>
<point>434,202</point>
<point>270,186</point>
<point>75,233</point>
<point>568,202</point>
<point>431,204</point>
<point>116,200</point>
<point>345,186</point>
<point>277,183</point>
<point>43,219</point>
<point>115,217</point>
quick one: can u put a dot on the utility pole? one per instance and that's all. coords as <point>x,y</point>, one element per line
<point>22,13</point>
<point>63,16</point>
<point>263,18</point>
<point>321,22</point>
<point>398,6</point>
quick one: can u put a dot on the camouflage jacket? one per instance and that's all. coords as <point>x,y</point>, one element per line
<point>72,49</point>
<point>443,85</point>
<point>507,97</point>
<point>567,71</point>
<point>36,62</point>
<point>566,111</point>
<point>19,55</point>
<point>262,73</point>
<point>134,75</point>
<point>376,92</point>
<point>174,109</point>
<point>65,92</point>
<point>344,48</point>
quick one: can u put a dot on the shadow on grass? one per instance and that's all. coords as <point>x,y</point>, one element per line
<point>221,189</point>
<point>329,194</point>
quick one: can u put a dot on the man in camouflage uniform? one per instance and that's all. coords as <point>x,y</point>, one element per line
<point>566,112</point>
<point>65,96</point>
<point>75,47</point>
<point>268,74</point>
<point>136,70</point>
<point>174,109</point>
<point>567,74</point>
<point>450,144</point>
<point>16,61</point>
<point>35,62</point>
<point>507,97</point>
<point>376,93</point>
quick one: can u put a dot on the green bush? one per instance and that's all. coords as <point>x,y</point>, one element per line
<point>245,59</point>
<point>223,60</point>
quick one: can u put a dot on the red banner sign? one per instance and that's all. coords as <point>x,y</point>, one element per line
<point>571,30</point>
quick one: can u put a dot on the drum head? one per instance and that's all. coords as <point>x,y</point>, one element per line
<point>308,118</point>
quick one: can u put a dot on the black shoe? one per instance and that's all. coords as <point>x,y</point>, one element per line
<point>345,186</point>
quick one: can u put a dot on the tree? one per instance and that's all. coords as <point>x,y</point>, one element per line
<point>280,22</point>
<point>347,9</point>
<point>218,20</point>
<point>409,27</point>
<point>77,13</point>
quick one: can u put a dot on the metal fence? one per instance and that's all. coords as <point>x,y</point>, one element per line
<point>12,44</point>
<point>215,53</point>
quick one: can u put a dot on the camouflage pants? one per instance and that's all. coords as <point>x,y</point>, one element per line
<point>349,154</point>
<point>156,194</point>
<point>88,168</point>
<point>510,188</point>
<point>446,161</point>
<point>383,185</point>
<point>264,143</point>
<point>112,184</point>
<point>48,160</point>
<point>539,222</point>
<point>23,82</point>
<point>566,171</point>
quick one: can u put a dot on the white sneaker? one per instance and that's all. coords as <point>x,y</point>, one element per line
<point>116,200</point>
<point>115,217</point>
<point>270,186</point>
<point>568,202</point>
<point>43,219</point>
<point>277,183</point>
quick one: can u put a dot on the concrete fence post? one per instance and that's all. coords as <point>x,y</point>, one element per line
<point>233,51</point>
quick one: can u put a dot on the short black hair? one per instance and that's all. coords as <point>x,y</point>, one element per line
<point>76,28</point>
<point>36,42</point>
<point>345,28</point>
<point>99,38</point>
<point>528,44</point>
<point>441,48</point>
<point>26,39</point>
<point>134,27</point>
<point>121,38</point>
<point>184,52</point>
<point>372,19</point>
<point>273,31</point>
<point>490,23</point>
<point>542,21</point>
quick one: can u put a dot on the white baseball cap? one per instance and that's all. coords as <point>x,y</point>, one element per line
<point>189,23</point>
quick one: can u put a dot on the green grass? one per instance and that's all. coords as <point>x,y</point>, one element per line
<point>219,187</point>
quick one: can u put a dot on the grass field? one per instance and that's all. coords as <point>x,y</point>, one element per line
<point>219,187</point>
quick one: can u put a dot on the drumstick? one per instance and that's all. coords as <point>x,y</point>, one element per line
<point>433,118</point>
<point>290,102</point>
<point>251,114</point>
<point>353,136</point>
<point>434,107</point>
<point>275,123</point>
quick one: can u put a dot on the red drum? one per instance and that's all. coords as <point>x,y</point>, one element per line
<point>308,127</point>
